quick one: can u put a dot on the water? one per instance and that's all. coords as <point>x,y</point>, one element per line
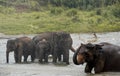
<point>36,69</point>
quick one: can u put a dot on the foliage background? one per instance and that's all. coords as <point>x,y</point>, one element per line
<point>74,16</point>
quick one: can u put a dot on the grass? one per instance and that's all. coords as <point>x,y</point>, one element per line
<point>70,20</point>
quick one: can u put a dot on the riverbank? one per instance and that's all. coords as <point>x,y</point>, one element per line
<point>59,19</point>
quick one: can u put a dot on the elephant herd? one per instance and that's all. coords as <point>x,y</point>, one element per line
<point>40,47</point>
<point>102,57</point>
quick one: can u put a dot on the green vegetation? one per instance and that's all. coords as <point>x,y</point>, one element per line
<point>36,16</point>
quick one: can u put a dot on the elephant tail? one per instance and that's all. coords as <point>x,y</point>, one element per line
<point>72,49</point>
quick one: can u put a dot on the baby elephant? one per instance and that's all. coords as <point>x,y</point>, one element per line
<point>43,50</point>
<point>22,46</point>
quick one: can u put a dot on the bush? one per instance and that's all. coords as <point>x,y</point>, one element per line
<point>98,12</point>
<point>7,10</point>
<point>56,10</point>
<point>34,5</point>
<point>72,12</point>
<point>76,19</point>
<point>116,11</point>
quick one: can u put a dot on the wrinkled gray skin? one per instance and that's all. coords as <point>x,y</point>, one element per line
<point>42,51</point>
<point>103,57</point>
<point>21,46</point>
<point>60,43</point>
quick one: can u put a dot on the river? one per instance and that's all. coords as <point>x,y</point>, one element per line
<point>50,69</point>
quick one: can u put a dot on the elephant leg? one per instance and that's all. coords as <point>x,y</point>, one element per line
<point>25,58</point>
<point>19,56</point>
<point>54,57</point>
<point>32,58</point>
<point>41,58</point>
<point>46,58</point>
<point>59,56</point>
<point>66,56</point>
<point>55,50</point>
<point>99,66</point>
<point>88,67</point>
<point>7,56</point>
<point>16,57</point>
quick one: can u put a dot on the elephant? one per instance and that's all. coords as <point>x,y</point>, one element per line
<point>43,50</point>
<point>23,46</point>
<point>60,43</point>
<point>103,57</point>
<point>64,43</point>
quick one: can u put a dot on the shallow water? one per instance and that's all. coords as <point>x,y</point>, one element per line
<point>50,69</point>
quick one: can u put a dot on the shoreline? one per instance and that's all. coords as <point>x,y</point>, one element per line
<point>10,36</point>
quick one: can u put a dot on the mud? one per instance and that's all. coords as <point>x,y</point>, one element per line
<point>50,69</point>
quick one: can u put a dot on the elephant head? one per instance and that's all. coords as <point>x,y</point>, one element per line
<point>11,46</point>
<point>86,53</point>
<point>65,40</point>
<point>43,50</point>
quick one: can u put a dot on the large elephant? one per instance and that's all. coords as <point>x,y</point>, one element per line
<point>43,50</point>
<point>103,57</point>
<point>60,43</point>
<point>21,46</point>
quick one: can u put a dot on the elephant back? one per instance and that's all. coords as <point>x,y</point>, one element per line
<point>26,44</point>
<point>47,36</point>
<point>50,37</point>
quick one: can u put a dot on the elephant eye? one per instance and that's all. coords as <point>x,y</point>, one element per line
<point>86,54</point>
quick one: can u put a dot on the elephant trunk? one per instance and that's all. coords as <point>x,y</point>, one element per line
<point>72,49</point>
<point>75,58</point>
<point>7,56</point>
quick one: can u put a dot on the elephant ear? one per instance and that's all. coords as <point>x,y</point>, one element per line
<point>90,46</point>
<point>16,43</point>
<point>80,46</point>
<point>98,49</point>
<point>99,46</point>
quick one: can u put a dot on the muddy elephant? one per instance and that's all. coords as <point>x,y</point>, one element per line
<point>43,50</point>
<point>60,43</point>
<point>23,46</point>
<point>103,57</point>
